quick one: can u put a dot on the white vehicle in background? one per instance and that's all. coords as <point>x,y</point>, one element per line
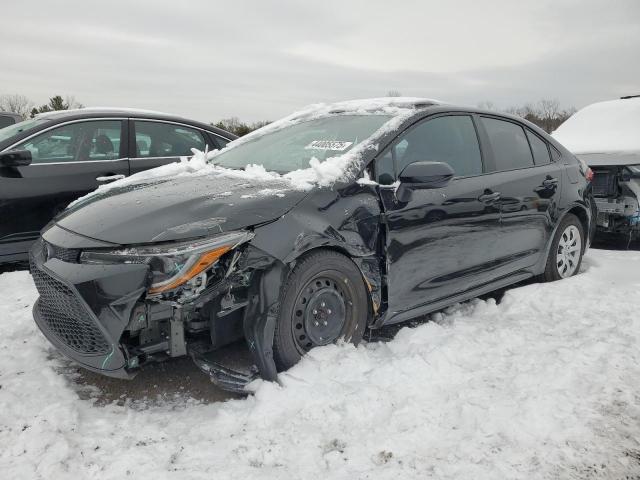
<point>606,136</point>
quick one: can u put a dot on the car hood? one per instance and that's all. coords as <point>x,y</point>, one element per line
<point>178,208</point>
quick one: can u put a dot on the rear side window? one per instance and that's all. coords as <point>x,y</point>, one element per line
<point>509,144</point>
<point>450,139</point>
<point>539,148</point>
<point>76,142</point>
<point>156,139</point>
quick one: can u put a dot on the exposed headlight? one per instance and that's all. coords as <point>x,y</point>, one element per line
<point>172,264</point>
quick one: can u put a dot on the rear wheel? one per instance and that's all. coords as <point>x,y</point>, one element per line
<point>566,251</point>
<point>324,300</point>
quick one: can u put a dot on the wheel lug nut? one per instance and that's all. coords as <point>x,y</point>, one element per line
<point>315,312</point>
<point>322,304</point>
<point>329,311</point>
<point>324,323</point>
<point>316,324</point>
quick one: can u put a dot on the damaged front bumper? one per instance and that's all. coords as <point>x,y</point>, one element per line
<point>102,317</point>
<point>84,309</point>
<point>617,196</point>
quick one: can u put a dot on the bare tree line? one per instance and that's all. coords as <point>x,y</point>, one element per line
<point>25,107</point>
<point>237,127</point>
<point>16,103</point>
<point>547,114</point>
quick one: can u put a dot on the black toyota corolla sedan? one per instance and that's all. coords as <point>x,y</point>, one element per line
<point>49,161</point>
<point>338,219</point>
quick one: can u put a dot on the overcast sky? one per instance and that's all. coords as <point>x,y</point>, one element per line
<point>258,59</point>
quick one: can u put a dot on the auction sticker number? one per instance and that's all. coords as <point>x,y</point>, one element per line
<point>334,145</point>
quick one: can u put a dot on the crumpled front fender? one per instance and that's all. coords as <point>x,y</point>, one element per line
<point>346,220</point>
<point>261,314</point>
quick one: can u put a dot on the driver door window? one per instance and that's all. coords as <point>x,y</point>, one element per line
<point>76,142</point>
<point>451,139</point>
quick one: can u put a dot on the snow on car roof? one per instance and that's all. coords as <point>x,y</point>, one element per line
<point>393,106</point>
<point>603,127</point>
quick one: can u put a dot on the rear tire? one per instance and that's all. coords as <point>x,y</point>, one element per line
<point>324,300</point>
<point>567,248</point>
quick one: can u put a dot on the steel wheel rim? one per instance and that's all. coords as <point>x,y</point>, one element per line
<point>320,314</point>
<point>568,251</point>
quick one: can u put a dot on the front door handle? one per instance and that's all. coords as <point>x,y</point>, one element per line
<point>109,177</point>
<point>489,197</point>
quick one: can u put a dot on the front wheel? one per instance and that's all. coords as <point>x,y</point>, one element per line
<point>566,251</point>
<point>324,300</point>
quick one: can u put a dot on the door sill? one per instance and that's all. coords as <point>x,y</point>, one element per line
<point>448,301</point>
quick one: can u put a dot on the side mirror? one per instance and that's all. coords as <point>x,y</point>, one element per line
<point>15,158</point>
<point>426,175</point>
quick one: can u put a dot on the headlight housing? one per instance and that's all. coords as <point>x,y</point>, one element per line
<point>171,264</point>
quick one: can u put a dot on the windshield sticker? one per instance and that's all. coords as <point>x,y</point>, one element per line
<point>334,145</point>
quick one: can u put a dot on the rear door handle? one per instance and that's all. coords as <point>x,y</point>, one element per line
<point>109,178</point>
<point>489,197</point>
<point>549,182</point>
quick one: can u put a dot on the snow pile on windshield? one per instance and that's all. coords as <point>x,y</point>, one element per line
<point>542,385</point>
<point>603,127</point>
<point>322,173</point>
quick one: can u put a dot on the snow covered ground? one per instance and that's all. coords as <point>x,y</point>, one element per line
<point>545,384</point>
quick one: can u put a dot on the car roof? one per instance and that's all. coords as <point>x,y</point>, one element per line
<point>422,106</point>
<point>95,112</point>
<point>428,107</point>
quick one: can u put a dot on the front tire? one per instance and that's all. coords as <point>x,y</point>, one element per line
<point>324,300</point>
<point>567,248</point>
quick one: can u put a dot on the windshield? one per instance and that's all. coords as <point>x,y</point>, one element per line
<point>12,130</point>
<point>291,148</point>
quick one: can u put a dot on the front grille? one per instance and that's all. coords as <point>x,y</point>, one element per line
<point>65,317</point>
<point>69,255</point>
<point>602,219</point>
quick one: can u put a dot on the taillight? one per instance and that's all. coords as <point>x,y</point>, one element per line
<point>589,174</point>
<point>584,168</point>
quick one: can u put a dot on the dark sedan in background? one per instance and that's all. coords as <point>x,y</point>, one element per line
<point>8,118</point>
<point>49,161</point>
